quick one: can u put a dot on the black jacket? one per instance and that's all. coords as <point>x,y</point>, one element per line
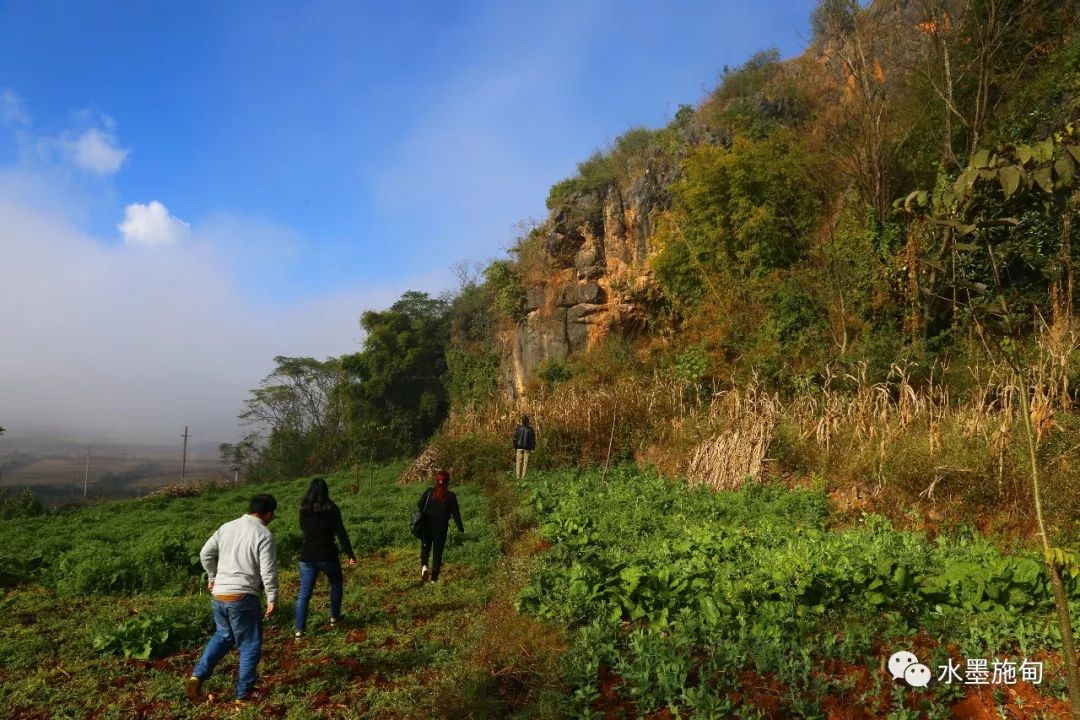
<point>319,530</point>
<point>437,514</point>
<point>524,438</point>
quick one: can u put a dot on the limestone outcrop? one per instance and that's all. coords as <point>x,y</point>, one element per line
<point>596,248</point>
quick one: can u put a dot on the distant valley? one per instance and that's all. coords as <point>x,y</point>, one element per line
<point>56,468</point>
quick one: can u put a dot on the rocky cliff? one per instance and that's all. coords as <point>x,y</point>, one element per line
<point>595,248</point>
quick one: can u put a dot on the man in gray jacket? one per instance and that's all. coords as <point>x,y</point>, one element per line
<point>240,560</point>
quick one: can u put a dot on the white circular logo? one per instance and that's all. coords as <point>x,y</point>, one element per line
<point>899,662</point>
<point>917,675</point>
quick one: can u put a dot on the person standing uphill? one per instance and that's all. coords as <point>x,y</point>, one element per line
<point>438,505</point>
<point>320,520</point>
<point>240,560</point>
<point>524,442</point>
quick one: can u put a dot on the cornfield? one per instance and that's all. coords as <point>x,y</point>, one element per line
<point>921,436</point>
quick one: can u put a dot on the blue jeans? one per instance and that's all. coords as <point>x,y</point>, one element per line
<point>309,572</point>
<point>239,625</point>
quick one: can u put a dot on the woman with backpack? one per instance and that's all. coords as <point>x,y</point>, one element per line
<point>320,521</point>
<point>437,505</point>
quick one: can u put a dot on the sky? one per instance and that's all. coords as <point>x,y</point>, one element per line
<point>188,189</point>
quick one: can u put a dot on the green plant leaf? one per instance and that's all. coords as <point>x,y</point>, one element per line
<point>965,182</point>
<point>912,196</point>
<point>981,159</point>
<point>1065,167</point>
<point>1009,177</point>
<point>1045,179</point>
<point>1044,150</point>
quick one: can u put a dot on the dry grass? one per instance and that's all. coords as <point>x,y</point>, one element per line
<point>423,468</point>
<point>738,451</point>
<point>893,442</point>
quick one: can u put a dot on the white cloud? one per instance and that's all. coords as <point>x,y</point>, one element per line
<point>95,150</point>
<point>152,224</point>
<point>12,110</point>
<point>103,342</point>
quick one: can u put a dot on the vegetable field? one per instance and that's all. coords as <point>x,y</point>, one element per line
<point>748,604</point>
<point>105,611</point>
<point>636,596</point>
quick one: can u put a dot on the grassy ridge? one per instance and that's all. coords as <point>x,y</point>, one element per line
<point>94,570</point>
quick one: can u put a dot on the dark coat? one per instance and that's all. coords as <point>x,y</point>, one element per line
<point>319,529</point>
<point>437,514</point>
<point>524,438</point>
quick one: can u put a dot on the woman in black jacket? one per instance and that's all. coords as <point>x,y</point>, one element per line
<point>438,505</point>
<point>320,520</point>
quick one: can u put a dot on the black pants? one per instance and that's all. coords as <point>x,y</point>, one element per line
<point>436,538</point>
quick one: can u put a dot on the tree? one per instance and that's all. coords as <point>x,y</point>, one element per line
<point>858,44</point>
<point>975,53</point>
<point>1005,201</point>
<point>737,213</point>
<point>492,298</point>
<point>396,381</point>
<point>242,457</point>
<point>298,394</point>
<point>298,408</point>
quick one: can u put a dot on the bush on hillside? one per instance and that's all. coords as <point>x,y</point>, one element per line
<point>148,636</point>
<point>24,504</point>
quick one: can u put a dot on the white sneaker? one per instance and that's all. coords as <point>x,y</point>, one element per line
<point>424,573</point>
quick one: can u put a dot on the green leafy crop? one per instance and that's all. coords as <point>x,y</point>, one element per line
<point>690,587</point>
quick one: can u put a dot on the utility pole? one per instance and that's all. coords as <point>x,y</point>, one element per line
<point>86,475</point>
<point>371,464</point>
<point>183,462</point>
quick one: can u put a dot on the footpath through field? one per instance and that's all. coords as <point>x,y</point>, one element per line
<point>640,597</point>
<point>123,575</point>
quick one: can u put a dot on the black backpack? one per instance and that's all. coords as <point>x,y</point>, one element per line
<point>417,526</point>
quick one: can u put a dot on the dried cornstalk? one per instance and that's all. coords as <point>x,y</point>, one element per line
<point>725,461</point>
<point>423,468</point>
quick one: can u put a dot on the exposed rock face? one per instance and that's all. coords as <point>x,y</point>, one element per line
<point>596,247</point>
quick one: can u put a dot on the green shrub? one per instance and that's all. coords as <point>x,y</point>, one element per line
<point>595,174</point>
<point>150,563</point>
<point>507,292</point>
<point>472,376</point>
<point>625,160</point>
<point>692,365</point>
<point>554,371</point>
<point>16,570</point>
<point>146,636</point>
<point>474,457</point>
<point>25,504</point>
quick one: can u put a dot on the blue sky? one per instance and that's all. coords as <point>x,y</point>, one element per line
<point>324,153</point>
